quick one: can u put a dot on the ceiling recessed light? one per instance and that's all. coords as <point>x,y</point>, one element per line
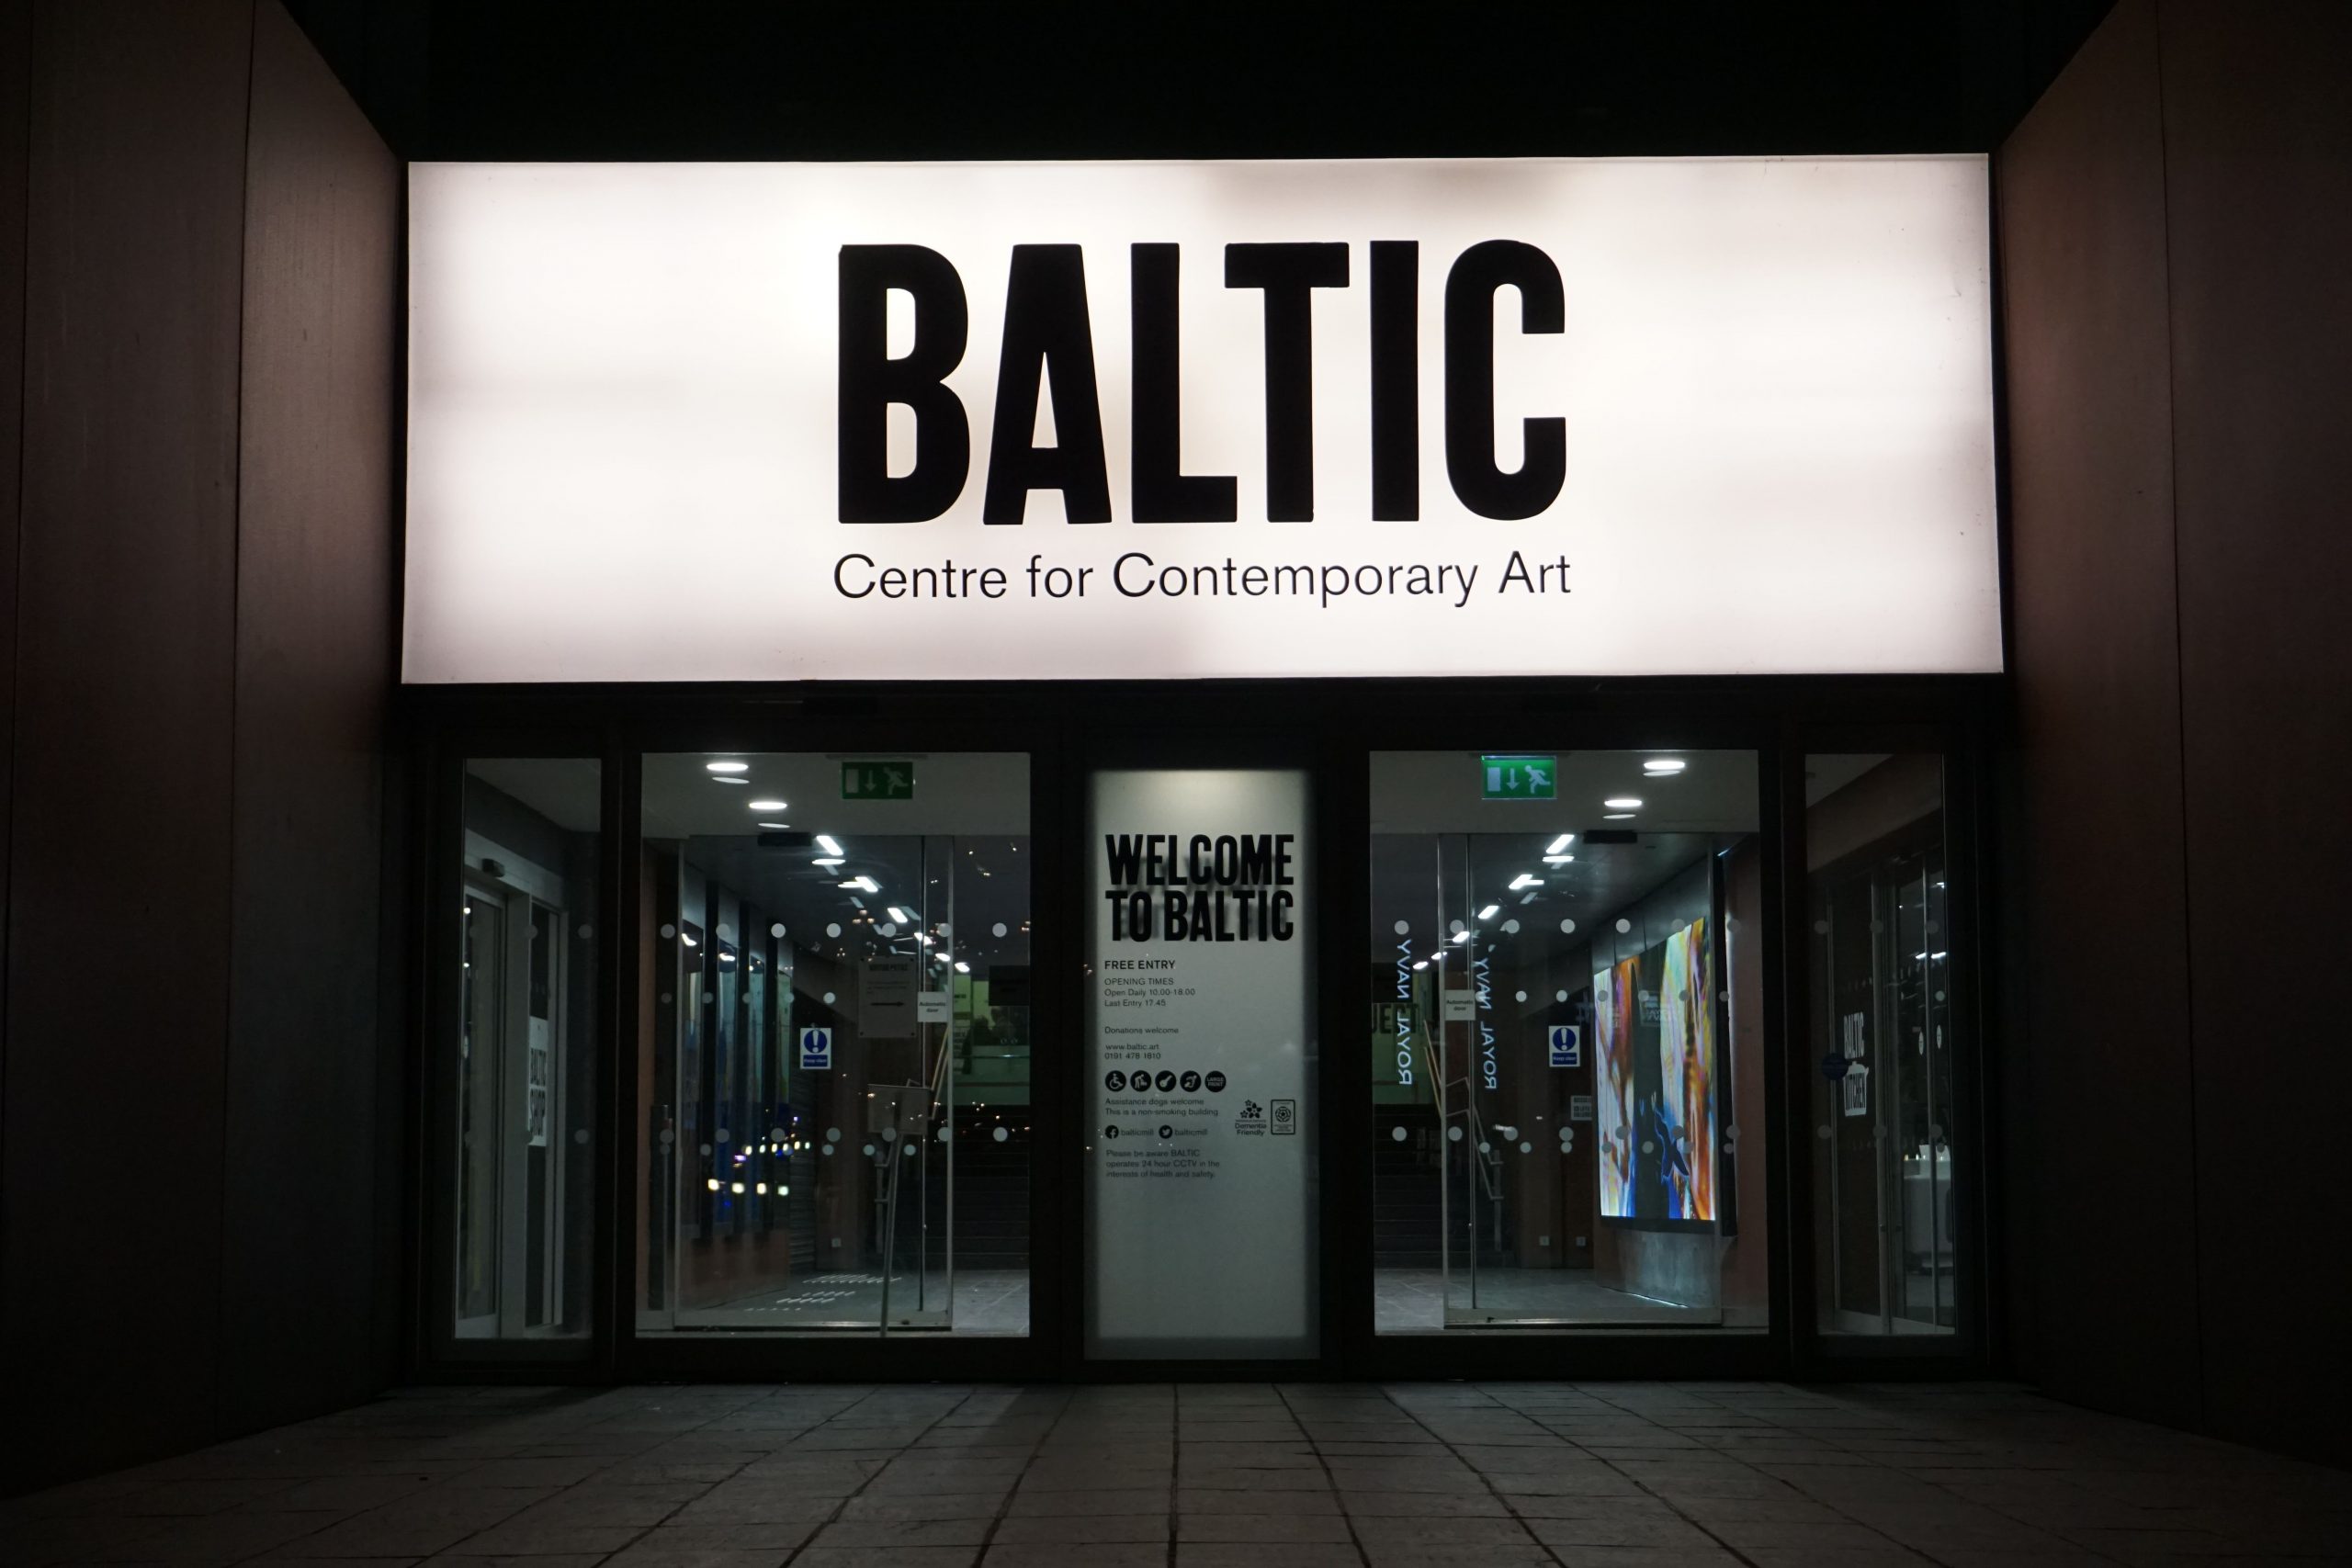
<point>729,767</point>
<point>766,805</point>
<point>1619,816</point>
<point>1561,842</point>
<point>1663,765</point>
<point>1623,802</point>
<point>826,842</point>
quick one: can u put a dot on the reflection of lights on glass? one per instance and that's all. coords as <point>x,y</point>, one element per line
<point>1489,912</point>
<point>727,767</point>
<point>1623,802</point>
<point>1561,842</point>
<point>712,1184</point>
<point>827,844</point>
<point>738,1188</point>
<point>1525,879</point>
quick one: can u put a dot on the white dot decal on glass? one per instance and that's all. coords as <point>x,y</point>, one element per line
<point>827,1150</point>
<point>869,1151</point>
<point>775,1135</point>
<point>888,928</point>
<point>829,998</point>
<point>668,931</point>
<point>1000,1134</point>
<point>666,999</point>
<point>1623,926</point>
<point>1682,1144</point>
<point>1731,1132</point>
<point>586,931</point>
<point>1559,996</point>
<point>944,1133</point>
<point>1397,1133</point>
<point>907,1149</point>
<point>833,1135</point>
<point>1527,1148</point>
<point>1567,1134</point>
<point>579,1135</point>
<point>1453,1135</point>
<point>1455,928</point>
<point>1933,927</point>
<point>1520,995</point>
<point>833,930</point>
<point>1403,927</point>
<point>1567,928</point>
<point>946,930</point>
<point>1648,1147</point>
<point>708,998</point>
<point>997,929</point>
<point>668,1138</point>
<point>889,1134</point>
<point>726,931</point>
<point>777,929</point>
<point>705,1148</point>
<point>721,1134</point>
<point>1822,1132</point>
<point>1512,927</point>
<point>1485,1147</point>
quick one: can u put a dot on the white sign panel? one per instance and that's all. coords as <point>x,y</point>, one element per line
<point>816,1050</point>
<point>785,422</point>
<point>1201,1145</point>
<point>1567,1045</point>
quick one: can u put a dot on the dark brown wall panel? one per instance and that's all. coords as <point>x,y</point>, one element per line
<point>16,84</point>
<point>316,547</point>
<point>2258,157</point>
<point>118,902</point>
<point>2100,1196</point>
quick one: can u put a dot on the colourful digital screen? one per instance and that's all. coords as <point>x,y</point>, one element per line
<point>1654,1029</point>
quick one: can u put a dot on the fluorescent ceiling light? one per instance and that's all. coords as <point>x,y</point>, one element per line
<point>775,824</point>
<point>1489,912</point>
<point>962,967</point>
<point>1623,802</point>
<point>869,883</point>
<point>1524,880</point>
<point>1464,936</point>
<point>901,916</point>
<point>1663,765</point>
<point>828,861</point>
<point>722,779</point>
<point>729,767</point>
<point>1561,842</point>
<point>826,842</point>
<point>1619,816</point>
<point>766,805</point>
<point>1557,860</point>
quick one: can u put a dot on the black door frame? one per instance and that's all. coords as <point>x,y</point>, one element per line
<point>1069,728</point>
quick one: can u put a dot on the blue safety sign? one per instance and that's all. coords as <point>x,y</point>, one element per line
<point>816,1050</point>
<point>1567,1045</point>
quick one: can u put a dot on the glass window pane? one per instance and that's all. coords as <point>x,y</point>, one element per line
<point>1881,985</point>
<point>519,1075</point>
<point>833,1057</point>
<point>1565,1060</point>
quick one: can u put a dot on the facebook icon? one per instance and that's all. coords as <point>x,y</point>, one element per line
<point>816,1050</point>
<point>1567,1045</point>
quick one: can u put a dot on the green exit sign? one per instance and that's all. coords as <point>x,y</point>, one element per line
<point>877,781</point>
<point>1518,778</point>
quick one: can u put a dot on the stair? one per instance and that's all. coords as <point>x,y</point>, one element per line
<point>991,1195</point>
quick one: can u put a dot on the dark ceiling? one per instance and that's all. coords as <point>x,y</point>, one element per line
<point>704,79</point>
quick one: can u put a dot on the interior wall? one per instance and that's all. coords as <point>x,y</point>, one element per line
<point>2173,217</point>
<point>202,616</point>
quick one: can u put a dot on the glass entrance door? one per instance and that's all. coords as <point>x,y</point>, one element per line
<point>834,1047</point>
<point>1563,974</point>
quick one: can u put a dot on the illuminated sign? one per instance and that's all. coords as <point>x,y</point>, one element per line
<point>792,422</point>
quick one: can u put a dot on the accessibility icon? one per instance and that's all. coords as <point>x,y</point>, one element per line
<point>1115,1080</point>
